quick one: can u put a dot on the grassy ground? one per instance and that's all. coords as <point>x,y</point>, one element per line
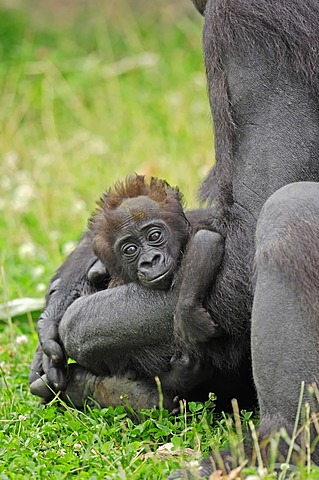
<point>88,95</point>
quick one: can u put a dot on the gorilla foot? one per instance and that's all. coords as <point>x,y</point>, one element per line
<point>85,387</point>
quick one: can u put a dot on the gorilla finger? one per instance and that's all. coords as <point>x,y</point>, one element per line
<point>40,388</point>
<point>97,273</point>
<point>131,374</point>
<point>48,335</point>
<point>53,286</point>
<point>54,351</point>
<point>36,365</point>
<point>47,325</point>
<point>56,376</point>
<point>176,411</point>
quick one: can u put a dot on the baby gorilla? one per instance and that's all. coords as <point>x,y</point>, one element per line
<point>141,234</point>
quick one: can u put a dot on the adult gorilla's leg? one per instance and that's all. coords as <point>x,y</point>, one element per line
<point>285,320</point>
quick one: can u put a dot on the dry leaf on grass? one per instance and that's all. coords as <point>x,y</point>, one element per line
<point>167,450</point>
<point>220,475</point>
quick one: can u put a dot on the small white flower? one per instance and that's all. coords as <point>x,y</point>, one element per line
<point>199,80</point>
<point>37,271</point>
<point>21,197</point>
<point>27,250</point>
<point>262,471</point>
<point>54,235</point>
<point>11,159</point>
<point>203,170</point>
<point>4,367</point>
<point>97,146</point>
<point>21,340</point>
<point>174,98</point>
<point>41,287</point>
<point>79,205</point>
<point>5,182</point>
<point>199,108</point>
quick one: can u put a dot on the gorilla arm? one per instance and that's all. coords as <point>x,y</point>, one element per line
<point>119,326</point>
<point>203,258</point>
<point>124,329</point>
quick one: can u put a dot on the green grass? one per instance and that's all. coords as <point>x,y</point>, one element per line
<point>89,95</point>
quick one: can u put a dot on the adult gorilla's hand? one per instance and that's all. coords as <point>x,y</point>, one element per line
<point>67,285</point>
<point>86,387</point>
<point>49,357</point>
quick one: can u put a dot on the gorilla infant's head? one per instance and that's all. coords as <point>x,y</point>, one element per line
<point>140,231</point>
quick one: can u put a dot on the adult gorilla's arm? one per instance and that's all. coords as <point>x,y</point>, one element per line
<point>113,330</point>
<point>262,71</point>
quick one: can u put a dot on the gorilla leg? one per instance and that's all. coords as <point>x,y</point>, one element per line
<point>285,319</point>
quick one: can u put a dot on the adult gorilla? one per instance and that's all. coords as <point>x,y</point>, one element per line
<point>262,67</point>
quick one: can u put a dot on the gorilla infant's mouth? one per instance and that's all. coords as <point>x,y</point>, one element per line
<point>161,282</point>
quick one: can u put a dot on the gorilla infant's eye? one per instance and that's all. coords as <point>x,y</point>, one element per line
<point>154,235</point>
<point>129,250</point>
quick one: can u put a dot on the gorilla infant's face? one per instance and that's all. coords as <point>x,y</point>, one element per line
<point>146,243</point>
<point>145,254</point>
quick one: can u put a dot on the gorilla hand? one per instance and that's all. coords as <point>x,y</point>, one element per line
<point>67,285</point>
<point>195,325</point>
